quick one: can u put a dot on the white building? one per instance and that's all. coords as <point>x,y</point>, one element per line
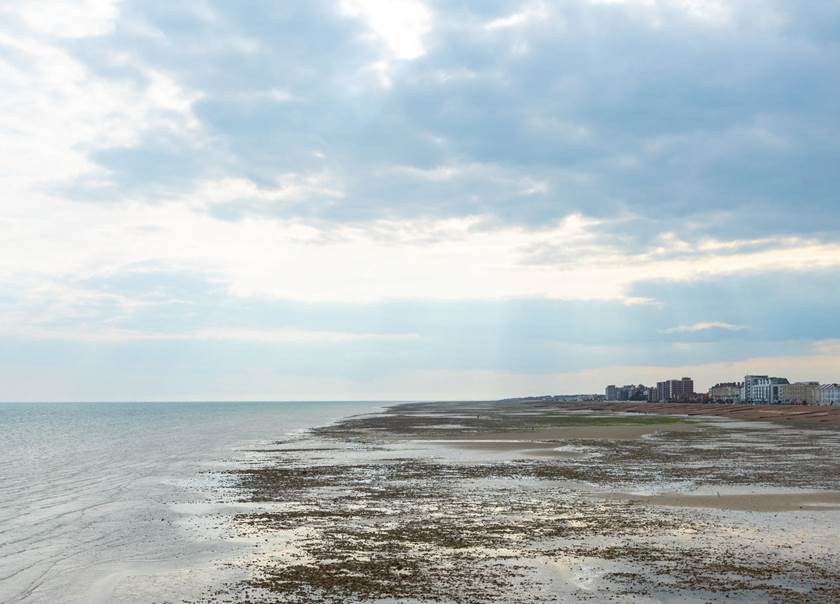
<point>829,394</point>
<point>750,388</point>
<point>762,389</point>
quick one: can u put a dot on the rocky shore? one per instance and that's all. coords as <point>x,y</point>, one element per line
<point>541,502</point>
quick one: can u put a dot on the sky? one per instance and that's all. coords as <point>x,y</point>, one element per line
<point>415,199</point>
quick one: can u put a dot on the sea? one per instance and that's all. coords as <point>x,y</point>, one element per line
<point>123,502</point>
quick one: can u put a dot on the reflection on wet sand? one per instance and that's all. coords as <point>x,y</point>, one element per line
<point>521,502</point>
<point>755,502</point>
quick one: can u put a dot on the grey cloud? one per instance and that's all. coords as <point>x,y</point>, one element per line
<point>700,128</point>
<point>780,313</point>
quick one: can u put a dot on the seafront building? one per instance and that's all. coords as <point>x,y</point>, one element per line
<point>675,390</point>
<point>762,389</point>
<point>755,390</point>
<point>629,392</point>
<point>682,389</point>
<point>829,394</point>
<point>669,390</point>
<point>800,393</point>
<point>751,386</point>
<point>728,392</point>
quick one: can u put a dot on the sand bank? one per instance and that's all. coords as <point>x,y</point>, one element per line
<point>812,415</point>
<point>753,502</point>
<point>389,510</point>
<point>550,436</point>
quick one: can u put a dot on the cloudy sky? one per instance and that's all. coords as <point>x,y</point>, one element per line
<point>401,199</point>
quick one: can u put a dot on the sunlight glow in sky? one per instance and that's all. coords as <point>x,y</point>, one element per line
<point>415,198</point>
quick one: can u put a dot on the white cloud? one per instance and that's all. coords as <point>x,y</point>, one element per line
<point>828,347</point>
<point>458,258</point>
<point>714,245</point>
<point>291,187</point>
<point>537,11</point>
<point>54,111</point>
<point>436,174</point>
<point>400,24</point>
<point>713,11</point>
<point>499,177</point>
<point>717,12</point>
<point>277,95</point>
<point>703,326</point>
<point>66,18</point>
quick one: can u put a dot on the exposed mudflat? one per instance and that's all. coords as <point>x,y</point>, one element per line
<point>809,415</point>
<point>534,502</point>
<point>566,433</point>
<point>749,502</point>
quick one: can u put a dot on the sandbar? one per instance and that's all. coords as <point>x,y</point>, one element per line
<point>753,502</point>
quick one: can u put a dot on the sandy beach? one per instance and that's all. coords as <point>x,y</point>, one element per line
<point>538,502</point>
<point>753,502</point>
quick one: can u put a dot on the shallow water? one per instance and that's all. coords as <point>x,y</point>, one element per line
<point>109,501</point>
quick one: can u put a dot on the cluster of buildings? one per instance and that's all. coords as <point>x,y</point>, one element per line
<point>561,398</point>
<point>775,390</point>
<point>755,389</point>
<point>669,390</point>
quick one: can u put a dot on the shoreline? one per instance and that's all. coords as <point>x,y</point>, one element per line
<point>541,502</point>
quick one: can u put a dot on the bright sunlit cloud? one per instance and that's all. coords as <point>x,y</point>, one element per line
<point>703,326</point>
<point>528,14</point>
<point>400,24</point>
<point>61,18</point>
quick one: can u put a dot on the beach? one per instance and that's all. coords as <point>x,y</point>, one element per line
<point>126,502</point>
<point>487,502</point>
<point>528,501</point>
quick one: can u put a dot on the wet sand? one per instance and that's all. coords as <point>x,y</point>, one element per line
<point>564,434</point>
<point>759,502</point>
<point>530,502</point>
<point>812,415</point>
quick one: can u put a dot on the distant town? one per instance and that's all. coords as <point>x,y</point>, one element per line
<point>754,389</point>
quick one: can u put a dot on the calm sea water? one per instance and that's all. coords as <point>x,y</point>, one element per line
<point>97,500</point>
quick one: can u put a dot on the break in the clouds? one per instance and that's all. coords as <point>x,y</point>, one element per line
<point>361,198</point>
